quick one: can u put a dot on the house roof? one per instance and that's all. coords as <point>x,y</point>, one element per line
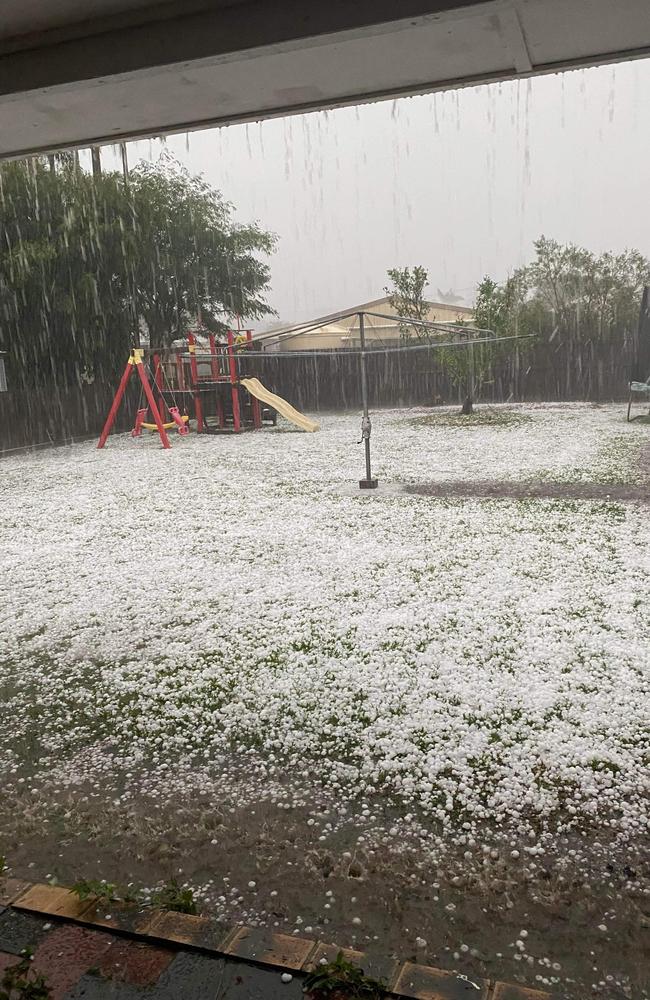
<point>332,320</point>
<point>385,301</point>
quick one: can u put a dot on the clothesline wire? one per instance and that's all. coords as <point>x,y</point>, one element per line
<point>356,352</point>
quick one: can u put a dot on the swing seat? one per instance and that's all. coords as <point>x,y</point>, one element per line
<point>168,425</point>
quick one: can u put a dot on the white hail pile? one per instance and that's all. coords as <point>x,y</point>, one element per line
<point>484,661</point>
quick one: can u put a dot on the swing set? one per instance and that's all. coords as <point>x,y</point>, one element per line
<point>136,363</point>
<point>211,380</point>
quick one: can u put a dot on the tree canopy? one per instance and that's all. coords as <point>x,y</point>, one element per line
<point>90,263</point>
<point>406,297</point>
<point>566,296</point>
<point>465,366</point>
<point>200,262</point>
<point>567,290</point>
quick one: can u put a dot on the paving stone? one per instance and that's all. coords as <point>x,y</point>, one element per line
<point>191,977</point>
<point>66,953</point>
<point>185,928</point>
<point>134,962</point>
<point>426,983</point>
<point>121,916</point>
<point>201,977</point>
<point>247,982</point>
<point>19,931</point>
<point>377,966</point>
<point>6,960</point>
<point>508,991</point>
<point>92,987</point>
<point>54,900</point>
<point>10,889</point>
<point>260,945</point>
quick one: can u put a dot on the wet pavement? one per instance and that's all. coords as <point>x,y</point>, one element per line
<point>176,956</point>
<point>97,965</point>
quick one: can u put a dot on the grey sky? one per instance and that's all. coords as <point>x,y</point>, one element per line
<point>460,182</point>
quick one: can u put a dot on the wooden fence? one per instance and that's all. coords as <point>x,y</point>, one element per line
<point>542,371</point>
<point>40,417</point>
<point>551,370</point>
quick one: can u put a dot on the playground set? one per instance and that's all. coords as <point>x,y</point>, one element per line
<point>214,379</point>
<point>223,399</point>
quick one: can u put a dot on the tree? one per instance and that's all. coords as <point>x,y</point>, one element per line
<point>582,294</point>
<point>498,312</point>
<point>201,263</point>
<point>406,297</point>
<point>579,307</point>
<point>566,291</point>
<point>466,366</point>
<point>492,307</point>
<point>87,262</point>
<point>62,295</point>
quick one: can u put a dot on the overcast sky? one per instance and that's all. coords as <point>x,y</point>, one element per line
<point>460,182</point>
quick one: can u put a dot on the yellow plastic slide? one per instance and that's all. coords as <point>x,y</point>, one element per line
<point>255,387</point>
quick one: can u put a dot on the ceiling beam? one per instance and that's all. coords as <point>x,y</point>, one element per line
<point>179,67</point>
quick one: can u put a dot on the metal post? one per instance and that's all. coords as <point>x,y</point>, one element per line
<point>194,372</point>
<point>125,162</point>
<point>469,402</point>
<point>216,378</point>
<point>255,403</point>
<point>368,483</point>
<point>96,158</point>
<point>158,379</point>
<point>234,383</point>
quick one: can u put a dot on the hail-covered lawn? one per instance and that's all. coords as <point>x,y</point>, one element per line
<point>193,633</point>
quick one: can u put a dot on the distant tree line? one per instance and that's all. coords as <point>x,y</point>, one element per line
<point>91,263</point>
<point>567,291</point>
<point>578,311</point>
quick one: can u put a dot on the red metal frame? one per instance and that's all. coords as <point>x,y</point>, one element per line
<point>186,373</point>
<point>158,379</point>
<point>135,361</point>
<point>232,365</point>
<point>155,412</point>
<point>257,409</point>
<point>194,371</point>
<point>115,405</point>
<point>216,375</point>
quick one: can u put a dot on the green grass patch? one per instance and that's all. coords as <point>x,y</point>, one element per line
<point>483,416</point>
